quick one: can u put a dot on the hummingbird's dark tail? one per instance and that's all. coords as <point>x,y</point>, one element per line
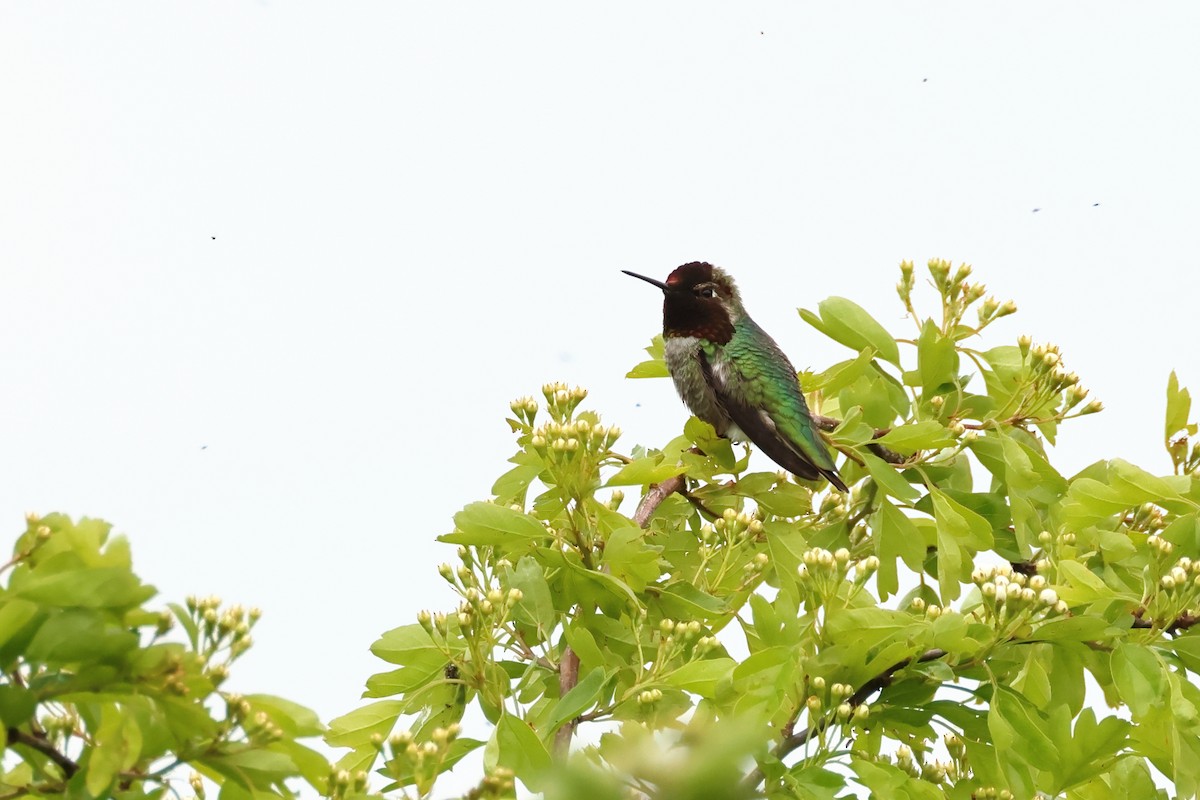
<point>835,479</point>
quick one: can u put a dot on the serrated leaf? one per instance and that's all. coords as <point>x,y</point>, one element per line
<point>896,537</point>
<point>488,524</point>
<point>1179,407</point>
<point>937,360</point>
<point>630,558</point>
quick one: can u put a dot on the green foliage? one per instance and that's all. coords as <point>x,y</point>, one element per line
<point>928,634</point>
<point>98,700</point>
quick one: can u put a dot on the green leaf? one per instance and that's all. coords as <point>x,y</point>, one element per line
<point>518,748</point>
<point>644,472</point>
<point>1179,407</point>
<point>584,644</point>
<point>960,533</point>
<point>118,743</point>
<point>80,635</point>
<point>536,607</point>
<point>1140,679</point>
<point>682,600</point>
<point>896,536</point>
<point>1017,727</point>
<point>908,439</point>
<point>90,587</point>
<point>840,375</point>
<point>937,360</point>
<point>356,728</point>
<point>630,558</point>
<point>579,699</point>
<point>655,367</point>
<point>1085,586</point>
<point>700,677</point>
<point>487,524</point>
<point>410,645</point>
<point>848,323</point>
<point>891,481</point>
<point>292,718</point>
<point>885,780</point>
<point>705,437</point>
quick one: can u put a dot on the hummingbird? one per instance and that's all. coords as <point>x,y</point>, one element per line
<point>732,375</point>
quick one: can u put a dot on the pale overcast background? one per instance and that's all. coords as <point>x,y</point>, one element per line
<point>271,272</point>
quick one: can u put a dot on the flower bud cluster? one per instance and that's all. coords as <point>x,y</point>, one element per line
<point>406,756</point>
<point>1147,517</point>
<point>58,726</point>
<point>676,636</point>
<point>560,441</point>
<point>258,725</point>
<point>344,783</point>
<point>821,572</point>
<point>1184,463</point>
<point>561,400</point>
<point>1009,595</point>
<point>496,784</point>
<point>933,772</point>
<point>228,628</point>
<point>1178,589</point>
<point>525,409</point>
<point>1050,380</point>
<point>992,793</point>
<point>905,286</point>
<point>930,611</point>
<point>835,696</point>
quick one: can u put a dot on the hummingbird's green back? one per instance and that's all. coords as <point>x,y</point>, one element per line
<point>769,383</point>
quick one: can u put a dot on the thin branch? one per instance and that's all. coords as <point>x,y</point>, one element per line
<point>17,736</point>
<point>828,424</point>
<point>795,741</point>
<point>654,498</point>
<point>1180,623</point>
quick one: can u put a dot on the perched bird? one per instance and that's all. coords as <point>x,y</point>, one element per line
<point>732,375</point>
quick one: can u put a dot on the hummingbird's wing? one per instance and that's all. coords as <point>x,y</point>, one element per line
<point>763,398</point>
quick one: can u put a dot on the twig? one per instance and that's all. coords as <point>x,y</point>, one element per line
<point>17,736</point>
<point>1180,623</point>
<point>795,741</point>
<point>654,498</point>
<point>828,424</point>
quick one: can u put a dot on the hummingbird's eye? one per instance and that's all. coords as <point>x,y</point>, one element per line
<point>706,291</point>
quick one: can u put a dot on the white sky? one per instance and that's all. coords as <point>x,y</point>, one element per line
<point>420,211</point>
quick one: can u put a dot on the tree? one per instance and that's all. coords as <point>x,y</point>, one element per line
<point>96,699</point>
<point>740,634</point>
<point>927,634</point>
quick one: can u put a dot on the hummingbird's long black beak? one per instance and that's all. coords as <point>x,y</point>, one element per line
<point>659,284</point>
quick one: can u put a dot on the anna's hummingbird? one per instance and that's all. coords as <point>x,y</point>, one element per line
<point>732,375</point>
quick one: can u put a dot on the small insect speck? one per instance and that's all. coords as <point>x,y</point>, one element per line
<point>203,447</point>
<point>924,80</point>
<point>1036,210</point>
<point>1095,204</point>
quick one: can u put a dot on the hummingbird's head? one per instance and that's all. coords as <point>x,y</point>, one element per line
<point>698,300</point>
